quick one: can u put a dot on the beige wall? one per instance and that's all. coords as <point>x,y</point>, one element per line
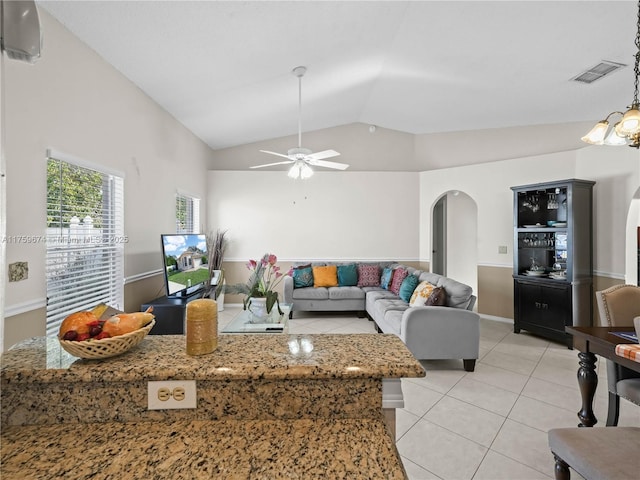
<point>495,291</point>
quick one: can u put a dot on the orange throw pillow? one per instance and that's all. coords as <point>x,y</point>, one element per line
<point>325,276</point>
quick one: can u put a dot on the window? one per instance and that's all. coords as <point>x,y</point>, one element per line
<point>85,239</point>
<point>187,214</point>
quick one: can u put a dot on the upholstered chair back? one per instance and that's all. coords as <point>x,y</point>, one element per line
<point>618,305</point>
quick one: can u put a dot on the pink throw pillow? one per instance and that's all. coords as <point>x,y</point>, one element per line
<point>368,275</point>
<point>399,274</point>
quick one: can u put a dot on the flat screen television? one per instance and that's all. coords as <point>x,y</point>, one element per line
<point>186,270</point>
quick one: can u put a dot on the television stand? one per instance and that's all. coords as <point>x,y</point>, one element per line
<point>170,313</point>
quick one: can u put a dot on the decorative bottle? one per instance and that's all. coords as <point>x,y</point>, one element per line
<point>202,326</point>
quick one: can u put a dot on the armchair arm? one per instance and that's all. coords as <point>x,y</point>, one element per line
<point>287,289</point>
<point>441,332</point>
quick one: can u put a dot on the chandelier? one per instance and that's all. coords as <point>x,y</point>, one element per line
<point>627,130</point>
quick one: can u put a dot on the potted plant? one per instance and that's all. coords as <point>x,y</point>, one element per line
<point>259,291</point>
<point>216,248</point>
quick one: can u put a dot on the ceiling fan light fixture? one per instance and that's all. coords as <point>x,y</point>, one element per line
<point>628,128</point>
<point>294,171</point>
<point>305,171</point>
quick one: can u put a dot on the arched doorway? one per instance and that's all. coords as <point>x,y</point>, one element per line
<point>454,226</point>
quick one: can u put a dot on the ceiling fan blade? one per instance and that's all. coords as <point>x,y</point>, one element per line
<point>322,155</point>
<point>272,164</point>
<point>324,163</point>
<point>276,153</point>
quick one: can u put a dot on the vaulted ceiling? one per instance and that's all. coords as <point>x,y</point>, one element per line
<point>223,69</point>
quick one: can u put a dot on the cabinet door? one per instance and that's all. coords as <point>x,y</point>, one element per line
<point>547,306</point>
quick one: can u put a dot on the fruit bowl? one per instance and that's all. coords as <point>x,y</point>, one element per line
<point>106,347</point>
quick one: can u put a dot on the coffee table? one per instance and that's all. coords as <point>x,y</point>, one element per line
<point>242,322</point>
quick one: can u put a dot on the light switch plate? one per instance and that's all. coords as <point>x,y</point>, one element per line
<point>502,249</point>
<point>171,394</point>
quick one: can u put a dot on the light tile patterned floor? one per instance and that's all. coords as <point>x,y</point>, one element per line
<point>490,424</point>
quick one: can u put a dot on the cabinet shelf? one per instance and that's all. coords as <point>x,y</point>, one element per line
<point>545,305</point>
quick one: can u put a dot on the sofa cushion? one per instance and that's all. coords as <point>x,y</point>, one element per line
<point>310,293</point>
<point>368,275</point>
<point>382,306</point>
<point>399,274</point>
<point>421,294</point>
<point>385,278</point>
<point>347,275</point>
<point>326,276</point>
<point>303,277</point>
<point>407,287</point>
<point>392,322</point>
<point>345,293</point>
<point>437,298</point>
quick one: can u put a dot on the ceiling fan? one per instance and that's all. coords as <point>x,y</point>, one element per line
<point>303,158</point>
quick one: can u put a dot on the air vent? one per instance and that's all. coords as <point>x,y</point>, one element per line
<point>602,69</point>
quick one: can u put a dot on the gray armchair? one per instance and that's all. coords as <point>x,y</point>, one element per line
<point>618,306</point>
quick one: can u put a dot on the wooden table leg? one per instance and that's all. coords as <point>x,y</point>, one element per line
<point>588,381</point>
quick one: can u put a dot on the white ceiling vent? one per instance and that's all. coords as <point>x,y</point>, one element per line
<point>605,67</point>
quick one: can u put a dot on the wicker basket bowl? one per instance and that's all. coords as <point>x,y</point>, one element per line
<point>107,347</point>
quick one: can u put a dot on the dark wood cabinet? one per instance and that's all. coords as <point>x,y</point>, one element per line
<point>553,257</point>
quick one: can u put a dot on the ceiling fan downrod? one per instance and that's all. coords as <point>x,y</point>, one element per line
<point>299,72</point>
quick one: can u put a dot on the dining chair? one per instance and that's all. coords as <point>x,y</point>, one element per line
<point>618,306</point>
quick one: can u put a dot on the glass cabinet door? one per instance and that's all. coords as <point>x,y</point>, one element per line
<point>542,254</point>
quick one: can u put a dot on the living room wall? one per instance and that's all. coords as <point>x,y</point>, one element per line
<point>73,101</point>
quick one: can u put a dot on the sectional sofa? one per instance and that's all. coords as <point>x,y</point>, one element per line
<point>446,328</point>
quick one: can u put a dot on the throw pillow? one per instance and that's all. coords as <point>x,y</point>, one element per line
<point>325,276</point>
<point>409,284</point>
<point>421,294</point>
<point>368,275</point>
<point>399,274</point>
<point>303,277</point>
<point>437,298</point>
<point>347,275</point>
<point>385,279</point>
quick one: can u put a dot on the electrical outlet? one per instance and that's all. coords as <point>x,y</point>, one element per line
<point>171,394</point>
<point>502,249</point>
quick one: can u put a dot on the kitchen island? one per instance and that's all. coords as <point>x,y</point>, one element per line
<point>282,406</point>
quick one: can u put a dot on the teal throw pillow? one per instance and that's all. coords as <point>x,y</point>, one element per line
<point>347,275</point>
<point>385,279</point>
<point>303,277</point>
<point>409,284</point>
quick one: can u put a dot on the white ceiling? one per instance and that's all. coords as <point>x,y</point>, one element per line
<point>223,69</point>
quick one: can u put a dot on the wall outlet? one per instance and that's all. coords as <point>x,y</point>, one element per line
<point>171,394</point>
<point>502,249</point>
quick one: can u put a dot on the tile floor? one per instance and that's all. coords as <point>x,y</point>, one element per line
<point>490,424</point>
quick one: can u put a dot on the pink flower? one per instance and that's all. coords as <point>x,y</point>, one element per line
<point>272,259</point>
<point>252,264</point>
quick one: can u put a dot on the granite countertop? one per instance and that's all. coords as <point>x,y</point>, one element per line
<point>191,450</point>
<point>162,357</point>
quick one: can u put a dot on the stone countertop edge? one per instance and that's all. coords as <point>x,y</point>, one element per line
<point>237,357</point>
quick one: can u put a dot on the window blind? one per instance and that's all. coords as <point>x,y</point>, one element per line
<point>187,214</point>
<point>85,240</point>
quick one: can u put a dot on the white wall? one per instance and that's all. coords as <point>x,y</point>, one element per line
<point>331,216</point>
<point>73,101</point>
